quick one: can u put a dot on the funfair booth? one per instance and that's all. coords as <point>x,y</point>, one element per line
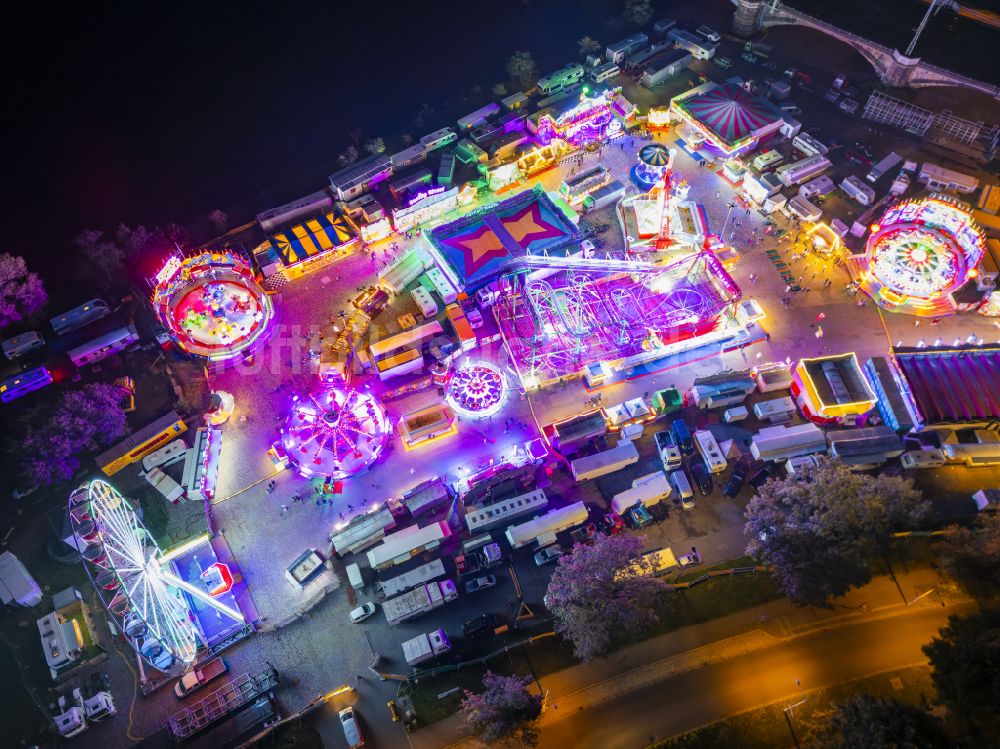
<point>725,120</point>
<point>919,254</point>
<point>212,305</point>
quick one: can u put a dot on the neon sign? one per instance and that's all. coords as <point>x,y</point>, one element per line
<point>425,194</point>
<point>168,270</point>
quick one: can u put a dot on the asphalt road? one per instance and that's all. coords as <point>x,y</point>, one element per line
<point>704,695</point>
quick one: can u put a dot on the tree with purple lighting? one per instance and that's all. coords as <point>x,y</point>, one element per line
<point>821,529</point>
<point>605,592</point>
<point>82,421</point>
<point>503,711</point>
<point>22,294</point>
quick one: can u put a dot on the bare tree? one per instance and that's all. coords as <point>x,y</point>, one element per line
<point>375,145</point>
<point>521,67</point>
<point>499,90</point>
<point>588,45</point>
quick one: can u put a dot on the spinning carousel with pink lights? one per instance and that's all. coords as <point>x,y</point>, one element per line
<point>335,433</point>
<point>476,390</point>
<point>212,305</point>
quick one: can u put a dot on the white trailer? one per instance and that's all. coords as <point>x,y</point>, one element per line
<point>649,489</point>
<point>800,171</point>
<point>784,442</point>
<point>16,583</point>
<point>603,463</point>
<point>548,524</point>
<point>426,646</point>
<point>417,576</point>
<point>419,601</point>
<point>858,190</point>
<point>776,410</point>
<point>708,447</point>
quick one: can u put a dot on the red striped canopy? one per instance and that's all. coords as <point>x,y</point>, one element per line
<point>730,112</point>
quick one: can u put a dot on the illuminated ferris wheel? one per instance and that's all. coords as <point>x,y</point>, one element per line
<point>133,579</point>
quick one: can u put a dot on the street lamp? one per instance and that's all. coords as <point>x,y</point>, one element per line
<point>790,712</point>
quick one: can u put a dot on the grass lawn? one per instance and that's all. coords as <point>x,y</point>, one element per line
<point>766,727</point>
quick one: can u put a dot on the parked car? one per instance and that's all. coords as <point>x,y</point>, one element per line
<point>638,517</point>
<point>548,554</point>
<point>769,65</point>
<point>724,62</point>
<point>689,560</point>
<point>352,730</point>
<point>737,477</point>
<point>480,583</point>
<point>481,626</point>
<point>760,477</point>
<point>701,477</point>
<point>611,524</point>
<point>199,676</point>
<point>363,612</point>
<point>584,534</point>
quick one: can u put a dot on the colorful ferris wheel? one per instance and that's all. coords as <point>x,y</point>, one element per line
<point>133,579</point>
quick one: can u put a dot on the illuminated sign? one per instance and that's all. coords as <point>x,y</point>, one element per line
<point>658,117</point>
<point>168,270</point>
<point>425,194</point>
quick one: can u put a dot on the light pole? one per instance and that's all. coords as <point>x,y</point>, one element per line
<point>790,712</point>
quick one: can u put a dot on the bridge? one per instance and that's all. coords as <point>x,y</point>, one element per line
<point>893,67</point>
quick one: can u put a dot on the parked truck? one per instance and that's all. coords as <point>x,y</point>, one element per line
<point>408,580</point>
<point>425,647</point>
<point>200,676</point>
<point>419,601</point>
<point>478,560</point>
<point>887,164</point>
<point>603,463</point>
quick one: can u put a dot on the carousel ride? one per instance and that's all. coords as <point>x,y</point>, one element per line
<point>212,305</point>
<point>476,391</point>
<point>335,432</point>
<point>149,604</point>
<point>919,254</point>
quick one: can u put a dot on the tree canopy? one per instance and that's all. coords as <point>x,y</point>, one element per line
<point>971,556</point>
<point>638,12</point>
<point>588,45</point>
<point>504,710</point>
<point>82,421</point>
<point>821,528</point>
<point>604,592</point>
<point>865,722</point>
<point>965,658</point>
<point>22,294</point>
<point>521,67</point>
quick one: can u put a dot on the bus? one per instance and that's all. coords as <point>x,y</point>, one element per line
<point>710,451</point>
<point>138,445</point>
<point>767,159</point>
<point>23,383</point>
<point>411,338</point>
<point>104,346</point>
<point>557,81</point>
<point>76,318</point>
<point>466,337</point>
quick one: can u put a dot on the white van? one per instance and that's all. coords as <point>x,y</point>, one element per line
<point>22,344</point>
<point>165,485</point>
<point>679,480</point>
<point>914,459</point>
<point>167,455</point>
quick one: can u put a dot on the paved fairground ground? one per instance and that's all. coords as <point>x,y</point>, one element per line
<point>305,632</point>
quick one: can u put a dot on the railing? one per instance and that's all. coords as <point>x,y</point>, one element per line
<point>238,692</point>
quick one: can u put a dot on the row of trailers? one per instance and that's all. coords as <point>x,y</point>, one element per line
<point>86,353</point>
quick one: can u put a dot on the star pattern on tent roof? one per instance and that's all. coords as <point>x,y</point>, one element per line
<point>478,248</point>
<point>527,225</point>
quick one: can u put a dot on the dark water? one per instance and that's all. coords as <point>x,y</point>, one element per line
<point>158,112</point>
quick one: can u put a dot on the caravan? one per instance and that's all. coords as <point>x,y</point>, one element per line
<point>709,449</point>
